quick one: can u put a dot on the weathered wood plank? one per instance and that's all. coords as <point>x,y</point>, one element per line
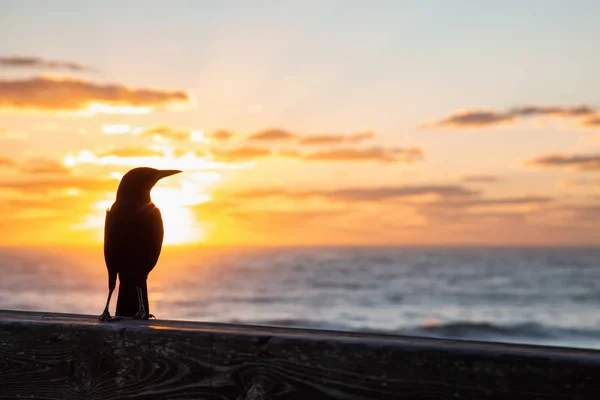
<point>63,356</point>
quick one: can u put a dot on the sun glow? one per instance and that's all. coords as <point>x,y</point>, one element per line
<point>179,221</point>
<point>174,198</point>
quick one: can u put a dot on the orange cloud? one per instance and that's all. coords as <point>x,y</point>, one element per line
<point>391,192</point>
<point>487,118</point>
<point>272,135</point>
<point>45,185</point>
<point>282,221</point>
<point>40,63</point>
<point>185,160</point>
<point>584,213</point>
<point>289,153</point>
<point>363,194</point>
<point>281,135</point>
<point>593,122</point>
<point>6,162</point>
<point>241,153</point>
<point>130,152</point>
<point>76,95</point>
<point>587,162</point>
<point>582,182</point>
<point>32,207</point>
<point>336,139</point>
<point>450,213</point>
<point>162,131</point>
<point>166,132</point>
<point>474,118</point>
<point>222,135</point>
<point>502,201</point>
<point>370,154</point>
<point>481,179</point>
<point>44,166</point>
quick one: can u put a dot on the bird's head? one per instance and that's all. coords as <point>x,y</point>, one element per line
<point>135,186</point>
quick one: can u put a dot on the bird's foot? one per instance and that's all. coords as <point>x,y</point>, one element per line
<point>143,316</point>
<point>105,317</point>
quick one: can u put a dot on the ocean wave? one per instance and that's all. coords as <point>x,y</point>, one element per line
<point>298,323</point>
<point>485,329</point>
<point>456,330</point>
<point>529,332</point>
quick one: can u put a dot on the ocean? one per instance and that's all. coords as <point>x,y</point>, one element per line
<point>548,296</point>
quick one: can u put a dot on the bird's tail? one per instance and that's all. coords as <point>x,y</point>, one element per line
<point>127,302</point>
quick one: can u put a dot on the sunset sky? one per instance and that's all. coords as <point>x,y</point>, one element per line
<point>304,123</point>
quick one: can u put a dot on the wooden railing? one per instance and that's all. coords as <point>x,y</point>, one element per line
<point>64,356</point>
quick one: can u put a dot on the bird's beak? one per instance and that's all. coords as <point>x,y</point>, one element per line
<point>163,173</point>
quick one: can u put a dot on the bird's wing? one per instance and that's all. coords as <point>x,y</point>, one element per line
<point>111,238</point>
<point>157,232</point>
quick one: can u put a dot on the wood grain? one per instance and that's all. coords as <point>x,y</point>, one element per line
<point>63,356</point>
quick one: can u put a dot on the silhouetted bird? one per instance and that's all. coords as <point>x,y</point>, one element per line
<point>133,236</point>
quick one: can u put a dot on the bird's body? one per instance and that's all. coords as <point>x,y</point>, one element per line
<point>132,244</point>
<point>133,236</point>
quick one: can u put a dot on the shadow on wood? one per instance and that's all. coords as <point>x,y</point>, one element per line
<point>63,356</point>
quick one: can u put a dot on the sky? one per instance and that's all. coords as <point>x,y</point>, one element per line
<point>304,123</point>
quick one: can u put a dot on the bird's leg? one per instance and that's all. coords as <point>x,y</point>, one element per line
<point>105,317</point>
<point>141,314</point>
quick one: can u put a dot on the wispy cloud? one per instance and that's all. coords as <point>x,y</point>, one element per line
<point>221,135</point>
<point>582,182</point>
<point>266,136</point>
<point>481,179</point>
<point>378,154</point>
<point>35,166</point>
<point>395,214</point>
<point>45,185</point>
<point>282,135</point>
<point>44,166</point>
<point>250,152</point>
<point>582,162</point>
<point>130,152</point>
<point>320,140</point>
<point>84,97</point>
<point>593,122</point>
<point>167,132</point>
<point>502,201</point>
<point>584,213</point>
<point>41,63</point>
<point>7,162</point>
<point>186,161</point>
<point>472,118</point>
<point>363,194</point>
<point>272,135</point>
<point>246,153</point>
<point>383,193</point>
<point>164,132</point>
<point>480,118</point>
